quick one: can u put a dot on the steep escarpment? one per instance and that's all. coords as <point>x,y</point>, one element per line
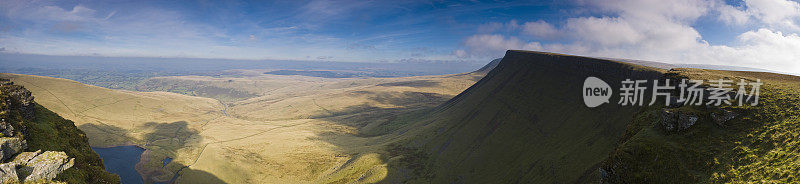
<point>524,122</point>
<point>37,145</point>
<point>489,66</point>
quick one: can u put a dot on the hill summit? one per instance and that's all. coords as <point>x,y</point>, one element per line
<point>526,122</point>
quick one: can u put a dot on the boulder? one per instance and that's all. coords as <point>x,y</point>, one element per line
<point>24,157</point>
<point>722,117</point>
<point>6,129</point>
<point>675,121</point>
<point>10,146</point>
<point>46,166</point>
<point>8,173</point>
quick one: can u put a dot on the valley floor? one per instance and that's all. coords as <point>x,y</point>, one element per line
<point>286,129</point>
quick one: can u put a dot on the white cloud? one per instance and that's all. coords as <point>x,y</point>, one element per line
<point>764,48</point>
<point>489,45</point>
<point>606,31</point>
<point>458,53</point>
<point>732,15</point>
<point>656,10</point>
<point>662,31</point>
<point>25,11</point>
<point>540,30</point>
<point>491,27</point>
<point>778,13</point>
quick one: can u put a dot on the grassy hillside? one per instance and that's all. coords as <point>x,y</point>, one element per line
<point>47,131</point>
<point>524,122</point>
<point>51,132</point>
<point>294,132</point>
<point>759,145</point>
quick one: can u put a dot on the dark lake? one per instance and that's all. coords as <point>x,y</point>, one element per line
<point>121,160</point>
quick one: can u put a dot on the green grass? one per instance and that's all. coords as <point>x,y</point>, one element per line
<point>760,145</point>
<point>525,122</point>
<point>50,132</point>
<point>47,131</point>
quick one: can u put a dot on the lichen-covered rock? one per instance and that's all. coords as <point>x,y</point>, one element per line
<point>24,157</point>
<point>21,99</point>
<point>6,129</point>
<point>675,121</point>
<point>10,146</point>
<point>722,117</point>
<point>8,173</point>
<point>47,165</point>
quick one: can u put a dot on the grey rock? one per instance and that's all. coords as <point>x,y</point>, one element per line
<point>722,117</point>
<point>674,121</point>
<point>21,99</point>
<point>10,146</point>
<point>6,129</point>
<point>604,176</point>
<point>668,120</point>
<point>8,173</point>
<point>47,165</point>
<point>24,157</point>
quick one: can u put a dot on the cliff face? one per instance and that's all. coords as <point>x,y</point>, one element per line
<point>38,145</point>
<point>526,122</point>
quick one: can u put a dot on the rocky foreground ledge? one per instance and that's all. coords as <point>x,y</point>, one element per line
<point>24,167</point>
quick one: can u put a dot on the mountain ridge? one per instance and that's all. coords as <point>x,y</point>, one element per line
<point>484,134</point>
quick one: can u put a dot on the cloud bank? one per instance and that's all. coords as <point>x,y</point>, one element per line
<point>661,31</point>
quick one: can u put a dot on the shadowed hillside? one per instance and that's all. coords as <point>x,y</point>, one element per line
<point>488,67</point>
<point>524,122</point>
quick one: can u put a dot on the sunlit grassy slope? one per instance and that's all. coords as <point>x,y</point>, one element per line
<point>110,117</point>
<point>524,122</point>
<point>46,131</point>
<point>760,145</point>
<point>303,132</point>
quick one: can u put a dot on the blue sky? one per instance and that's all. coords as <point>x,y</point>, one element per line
<point>753,33</point>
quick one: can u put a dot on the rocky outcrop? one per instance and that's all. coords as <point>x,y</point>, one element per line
<point>46,166</point>
<point>722,117</point>
<point>8,173</point>
<point>20,98</point>
<point>10,146</point>
<point>5,128</point>
<point>24,157</point>
<point>35,166</point>
<point>25,166</point>
<point>676,121</point>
